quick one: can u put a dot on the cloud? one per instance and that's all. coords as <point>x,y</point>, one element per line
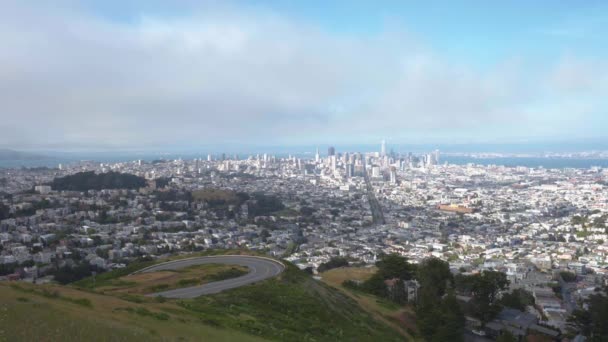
<point>72,78</point>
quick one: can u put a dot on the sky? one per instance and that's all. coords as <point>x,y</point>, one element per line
<point>150,75</point>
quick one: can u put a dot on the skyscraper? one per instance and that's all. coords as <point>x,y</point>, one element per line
<point>331,151</point>
<point>383,148</point>
<point>350,170</point>
<point>393,175</point>
<point>317,157</point>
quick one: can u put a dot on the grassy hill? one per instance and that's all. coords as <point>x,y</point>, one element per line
<point>401,319</point>
<point>60,313</point>
<point>291,307</point>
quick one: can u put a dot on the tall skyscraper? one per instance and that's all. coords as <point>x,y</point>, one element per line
<point>331,151</point>
<point>383,148</point>
<point>393,175</point>
<point>350,170</point>
<point>317,156</point>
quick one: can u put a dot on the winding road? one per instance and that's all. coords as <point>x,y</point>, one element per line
<point>260,268</point>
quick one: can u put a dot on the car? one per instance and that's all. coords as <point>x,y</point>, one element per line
<point>479,332</point>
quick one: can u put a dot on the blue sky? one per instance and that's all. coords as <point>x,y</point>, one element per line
<point>151,74</point>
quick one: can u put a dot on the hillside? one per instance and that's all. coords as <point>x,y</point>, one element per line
<point>400,318</point>
<point>90,180</point>
<point>292,307</point>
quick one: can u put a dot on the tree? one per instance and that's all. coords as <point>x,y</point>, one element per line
<point>438,313</point>
<point>83,181</point>
<point>394,266</point>
<point>451,321</point>
<point>66,275</point>
<point>485,288</point>
<point>334,262</point>
<point>102,253</point>
<point>506,336</point>
<point>434,274</point>
<point>375,285</point>
<point>567,276</point>
<point>592,322</point>
<point>265,234</point>
<point>398,292</point>
<point>518,299</point>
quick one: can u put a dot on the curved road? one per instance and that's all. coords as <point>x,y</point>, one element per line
<point>260,269</point>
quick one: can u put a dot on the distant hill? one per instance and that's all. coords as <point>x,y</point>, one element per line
<point>90,180</point>
<point>6,154</point>
<point>291,307</point>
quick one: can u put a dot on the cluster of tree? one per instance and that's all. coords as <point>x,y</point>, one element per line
<point>219,198</point>
<point>162,182</point>
<point>518,299</point>
<point>579,220</point>
<point>7,268</point>
<point>334,262</point>
<point>592,322</point>
<point>390,267</point>
<point>89,180</point>
<point>484,289</point>
<point>172,196</point>
<point>265,205</point>
<point>66,274</point>
<point>307,211</point>
<point>438,312</point>
<point>567,276</point>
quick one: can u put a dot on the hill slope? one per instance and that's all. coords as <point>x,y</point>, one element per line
<point>60,313</point>
<point>292,307</point>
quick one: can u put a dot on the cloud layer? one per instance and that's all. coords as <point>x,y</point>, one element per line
<point>69,78</point>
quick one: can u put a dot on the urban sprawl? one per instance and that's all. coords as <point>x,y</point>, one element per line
<point>533,224</point>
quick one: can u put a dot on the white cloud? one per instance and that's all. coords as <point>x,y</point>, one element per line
<point>69,78</point>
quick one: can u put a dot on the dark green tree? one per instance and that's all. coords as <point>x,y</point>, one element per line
<point>506,336</point>
<point>518,299</point>
<point>394,266</point>
<point>451,321</point>
<point>375,285</point>
<point>439,316</point>
<point>334,262</point>
<point>592,322</point>
<point>434,274</point>
<point>485,287</point>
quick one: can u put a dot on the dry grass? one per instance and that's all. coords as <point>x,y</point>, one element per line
<point>144,283</point>
<point>337,276</point>
<point>400,318</point>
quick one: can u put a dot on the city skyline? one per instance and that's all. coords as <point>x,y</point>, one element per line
<point>107,75</point>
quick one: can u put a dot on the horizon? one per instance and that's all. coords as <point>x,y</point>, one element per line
<point>504,148</point>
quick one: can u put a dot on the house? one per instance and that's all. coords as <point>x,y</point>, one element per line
<point>514,321</point>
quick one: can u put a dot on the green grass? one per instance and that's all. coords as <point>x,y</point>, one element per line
<point>111,278</point>
<point>402,319</point>
<point>51,294</point>
<point>294,307</point>
<point>232,272</point>
<point>31,316</point>
<point>291,307</point>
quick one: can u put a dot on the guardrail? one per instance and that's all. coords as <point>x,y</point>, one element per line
<point>143,270</point>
